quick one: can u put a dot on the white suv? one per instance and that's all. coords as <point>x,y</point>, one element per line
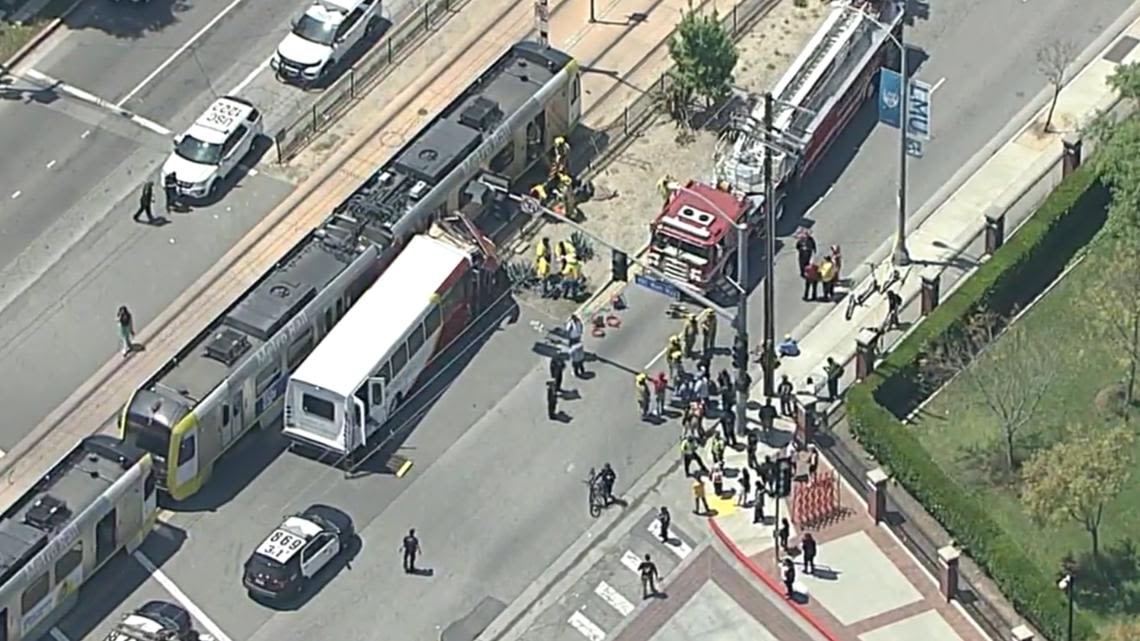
<point>213,146</point>
<point>321,36</point>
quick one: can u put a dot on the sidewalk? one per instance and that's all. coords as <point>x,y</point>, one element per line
<point>869,587</point>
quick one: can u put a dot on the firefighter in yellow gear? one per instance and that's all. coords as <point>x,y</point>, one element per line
<point>690,333</point>
<point>542,272</point>
<point>665,187</point>
<point>675,358</point>
<point>674,343</point>
<point>561,151</point>
<point>571,277</point>
<point>723,186</point>
<point>542,248</point>
<point>538,192</point>
<point>641,386</point>
<point>565,252</point>
<point>707,321</point>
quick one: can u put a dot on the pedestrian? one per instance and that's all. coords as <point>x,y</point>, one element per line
<point>689,456</point>
<point>783,533</point>
<point>170,191</point>
<point>767,415</point>
<point>700,503</point>
<point>126,329</point>
<point>834,372</point>
<point>573,329</point>
<point>727,393</point>
<point>689,334</point>
<point>728,429</point>
<point>767,473</point>
<point>813,461</point>
<point>411,548</point>
<point>827,278</point>
<point>784,391</point>
<point>758,505</point>
<point>663,521</point>
<point>542,273</point>
<point>648,573</point>
<point>557,369</point>
<point>708,331</point>
<point>807,547</point>
<point>752,444</point>
<point>701,389</point>
<point>578,359</point>
<point>894,306</point>
<point>675,360</point>
<point>805,248</point>
<point>551,400</point>
<point>745,481</point>
<point>146,203</point>
<point>811,282</point>
<point>716,448</point>
<point>641,389</point>
<point>836,257</point>
<point>660,390</point>
<point>789,577</point>
<point>717,478</point>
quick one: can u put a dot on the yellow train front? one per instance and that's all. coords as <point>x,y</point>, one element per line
<point>230,379</point>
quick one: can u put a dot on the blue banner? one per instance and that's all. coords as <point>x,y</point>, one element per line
<point>890,98</point>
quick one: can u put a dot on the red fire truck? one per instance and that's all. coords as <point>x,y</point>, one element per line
<point>814,101</point>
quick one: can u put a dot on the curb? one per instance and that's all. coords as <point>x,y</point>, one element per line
<point>38,39</point>
<point>770,582</point>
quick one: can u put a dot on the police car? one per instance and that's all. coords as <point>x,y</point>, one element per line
<point>296,551</point>
<point>213,146</point>
<point>323,35</point>
<point>157,620</point>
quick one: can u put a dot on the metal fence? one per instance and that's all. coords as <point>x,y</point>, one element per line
<point>410,29</point>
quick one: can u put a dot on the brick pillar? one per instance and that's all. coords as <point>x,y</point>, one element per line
<point>995,229</point>
<point>948,577</point>
<point>931,292</point>
<point>877,494</point>
<point>1071,142</point>
<point>866,351</point>
<point>1022,633</point>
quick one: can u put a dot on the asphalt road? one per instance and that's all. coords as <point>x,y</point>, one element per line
<point>69,252</point>
<point>496,489</point>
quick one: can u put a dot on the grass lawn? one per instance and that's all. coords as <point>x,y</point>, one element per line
<point>956,421</point>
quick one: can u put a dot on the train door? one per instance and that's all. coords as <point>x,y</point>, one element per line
<point>188,456</point>
<point>238,415</point>
<point>377,410</point>
<point>575,107</point>
<point>106,533</point>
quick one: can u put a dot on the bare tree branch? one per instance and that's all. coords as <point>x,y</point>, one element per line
<point>1053,60</point>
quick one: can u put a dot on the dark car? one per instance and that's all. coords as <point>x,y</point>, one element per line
<point>296,551</point>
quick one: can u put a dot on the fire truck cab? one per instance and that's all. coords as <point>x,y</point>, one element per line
<point>692,239</point>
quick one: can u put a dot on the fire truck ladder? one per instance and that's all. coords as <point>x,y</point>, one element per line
<point>836,35</point>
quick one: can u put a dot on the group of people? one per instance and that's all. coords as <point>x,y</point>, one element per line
<point>823,272</point>
<point>574,352</point>
<point>146,199</point>
<point>558,269</point>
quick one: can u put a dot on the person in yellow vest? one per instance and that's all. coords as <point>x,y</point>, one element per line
<point>690,333</point>
<point>641,386</point>
<point>542,248</point>
<point>675,359</point>
<point>665,187</point>
<point>542,272</point>
<point>707,321</point>
<point>538,192</point>
<point>561,151</point>
<point>571,278</point>
<point>674,343</point>
<point>565,251</point>
<point>828,274</point>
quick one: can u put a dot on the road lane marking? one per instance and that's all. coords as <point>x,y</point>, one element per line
<point>16,194</point>
<point>588,628</point>
<point>180,596</point>
<point>58,635</point>
<point>675,544</point>
<point>88,97</point>
<point>248,79</point>
<point>614,598</point>
<point>85,134</point>
<point>178,52</point>
<point>938,84</point>
<point>631,561</point>
<point>50,165</point>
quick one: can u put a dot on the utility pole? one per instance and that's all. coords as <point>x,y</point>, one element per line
<point>767,354</point>
<point>742,234</point>
<point>900,256</point>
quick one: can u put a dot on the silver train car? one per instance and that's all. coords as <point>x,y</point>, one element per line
<point>231,378</point>
<point>98,500</point>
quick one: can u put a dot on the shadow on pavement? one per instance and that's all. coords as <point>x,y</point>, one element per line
<point>120,18</point>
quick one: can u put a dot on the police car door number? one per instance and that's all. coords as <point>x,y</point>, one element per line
<point>281,546</point>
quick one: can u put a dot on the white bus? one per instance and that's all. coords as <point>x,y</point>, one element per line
<point>364,369</point>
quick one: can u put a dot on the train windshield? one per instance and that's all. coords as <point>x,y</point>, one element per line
<point>149,437</point>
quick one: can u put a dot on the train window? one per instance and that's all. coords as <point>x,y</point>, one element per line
<point>225,414</point>
<point>68,562</point>
<point>299,350</point>
<point>265,378</point>
<point>328,320</point>
<point>339,308</point>
<point>502,161</point>
<point>35,593</point>
<point>318,407</point>
<point>399,359</point>
<point>433,321</point>
<point>576,89</point>
<point>150,483</point>
<point>416,340</point>
<point>188,449</point>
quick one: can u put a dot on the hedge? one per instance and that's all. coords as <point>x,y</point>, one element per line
<point>1018,271</point>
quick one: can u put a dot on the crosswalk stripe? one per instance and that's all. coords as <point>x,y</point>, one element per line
<point>614,598</point>
<point>676,545</point>
<point>588,628</point>
<point>631,561</point>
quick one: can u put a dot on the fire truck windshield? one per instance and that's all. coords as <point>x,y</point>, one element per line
<point>667,244</point>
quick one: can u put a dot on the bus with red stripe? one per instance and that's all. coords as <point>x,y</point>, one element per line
<point>346,390</point>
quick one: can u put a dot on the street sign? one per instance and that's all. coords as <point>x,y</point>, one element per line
<point>658,285</point>
<point>890,105</point>
<point>914,148</point>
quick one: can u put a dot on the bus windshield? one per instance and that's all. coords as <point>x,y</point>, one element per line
<point>151,438</point>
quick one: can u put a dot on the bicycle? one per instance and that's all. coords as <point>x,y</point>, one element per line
<point>875,287</point>
<point>597,496</point>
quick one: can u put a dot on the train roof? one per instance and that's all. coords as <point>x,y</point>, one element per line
<point>361,222</point>
<point>61,495</point>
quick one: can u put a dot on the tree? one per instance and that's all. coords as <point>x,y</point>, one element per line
<point>1074,479</point>
<point>1116,306</point>
<point>704,56</point>
<point>1122,630</point>
<point>1118,152</point>
<point>1012,381</point>
<point>1052,61</point>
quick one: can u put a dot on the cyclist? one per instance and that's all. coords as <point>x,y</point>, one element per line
<point>608,478</point>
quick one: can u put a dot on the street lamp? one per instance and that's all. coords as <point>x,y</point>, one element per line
<point>1066,585</point>
<point>899,255</point>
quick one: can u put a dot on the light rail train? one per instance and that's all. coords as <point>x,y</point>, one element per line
<point>99,499</point>
<point>231,378</point>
